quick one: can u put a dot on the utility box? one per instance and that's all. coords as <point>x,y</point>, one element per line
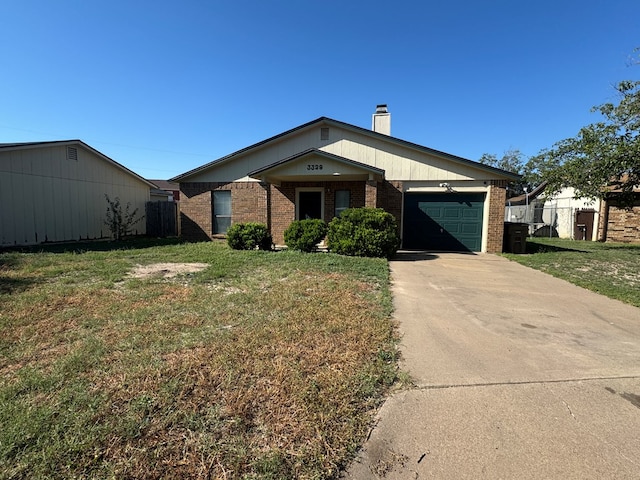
<point>515,237</point>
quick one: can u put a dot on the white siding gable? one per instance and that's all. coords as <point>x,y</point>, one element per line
<point>399,160</point>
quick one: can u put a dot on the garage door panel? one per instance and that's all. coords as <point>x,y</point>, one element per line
<point>452,228</point>
<point>471,229</point>
<point>434,212</point>
<point>443,221</point>
<point>472,214</point>
<point>452,212</point>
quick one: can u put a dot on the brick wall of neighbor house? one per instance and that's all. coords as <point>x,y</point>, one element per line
<point>622,224</point>
<point>248,204</point>
<point>497,198</point>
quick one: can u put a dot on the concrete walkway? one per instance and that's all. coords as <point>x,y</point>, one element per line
<point>518,375</point>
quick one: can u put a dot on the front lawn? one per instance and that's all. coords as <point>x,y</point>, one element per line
<point>250,365</point>
<point>612,269</point>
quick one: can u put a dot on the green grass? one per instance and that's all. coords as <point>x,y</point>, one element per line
<point>612,269</point>
<point>262,365</point>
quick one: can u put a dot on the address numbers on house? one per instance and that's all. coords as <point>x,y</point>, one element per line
<point>314,166</point>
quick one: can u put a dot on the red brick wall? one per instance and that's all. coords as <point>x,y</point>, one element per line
<point>389,197</point>
<point>497,197</point>
<point>283,197</point>
<point>248,204</point>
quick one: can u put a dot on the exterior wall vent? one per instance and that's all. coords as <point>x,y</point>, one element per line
<point>324,133</point>
<point>72,153</point>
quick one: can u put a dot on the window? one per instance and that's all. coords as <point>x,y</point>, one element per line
<point>221,211</point>
<point>324,133</point>
<point>343,200</point>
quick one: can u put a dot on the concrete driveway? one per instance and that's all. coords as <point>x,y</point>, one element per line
<point>518,375</point>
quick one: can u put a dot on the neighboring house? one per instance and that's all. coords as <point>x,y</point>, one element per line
<point>171,187</point>
<point>55,192</point>
<point>526,208</point>
<point>316,170</point>
<point>562,215</point>
<point>575,218</point>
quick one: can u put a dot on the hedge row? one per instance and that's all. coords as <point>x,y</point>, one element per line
<point>362,232</point>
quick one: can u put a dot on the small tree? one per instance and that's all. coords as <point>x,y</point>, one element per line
<point>120,222</point>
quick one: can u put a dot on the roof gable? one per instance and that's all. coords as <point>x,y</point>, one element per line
<point>317,165</point>
<point>371,137</point>
<point>80,143</point>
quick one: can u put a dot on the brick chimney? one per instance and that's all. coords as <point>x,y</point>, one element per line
<point>381,120</point>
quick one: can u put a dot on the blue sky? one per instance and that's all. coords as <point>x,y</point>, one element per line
<point>165,86</point>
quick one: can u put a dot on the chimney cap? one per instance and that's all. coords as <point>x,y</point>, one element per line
<point>382,108</point>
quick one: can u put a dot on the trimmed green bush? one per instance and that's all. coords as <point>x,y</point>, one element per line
<point>364,232</point>
<point>249,236</point>
<point>304,235</point>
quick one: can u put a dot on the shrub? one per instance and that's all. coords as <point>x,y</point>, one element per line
<point>364,232</point>
<point>249,236</point>
<point>120,222</point>
<point>304,235</point>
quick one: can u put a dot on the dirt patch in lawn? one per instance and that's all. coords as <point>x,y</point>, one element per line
<point>166,270</point>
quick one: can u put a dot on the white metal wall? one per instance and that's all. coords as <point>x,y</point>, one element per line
<point>46,197</point>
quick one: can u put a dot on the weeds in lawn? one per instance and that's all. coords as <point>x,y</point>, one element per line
<point>262,365</point>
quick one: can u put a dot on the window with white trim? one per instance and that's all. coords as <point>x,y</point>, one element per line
<point>221,211</point>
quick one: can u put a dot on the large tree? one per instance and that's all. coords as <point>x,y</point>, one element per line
<point>512,161</point>
<point>602,157</point>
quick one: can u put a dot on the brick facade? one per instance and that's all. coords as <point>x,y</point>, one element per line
<point>619,224</point>
<point>283,197</point>
<point>497,197</point>
<point>250,203</point>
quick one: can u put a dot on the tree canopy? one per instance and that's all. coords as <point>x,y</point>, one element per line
<point>512,161</point>
<point>603,157</point>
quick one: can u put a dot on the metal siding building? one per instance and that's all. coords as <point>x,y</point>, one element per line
<point>55,191</point>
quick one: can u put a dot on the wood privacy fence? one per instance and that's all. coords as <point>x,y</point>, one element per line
<point>162,219</point>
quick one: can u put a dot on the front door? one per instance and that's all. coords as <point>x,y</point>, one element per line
<point>309,204</point>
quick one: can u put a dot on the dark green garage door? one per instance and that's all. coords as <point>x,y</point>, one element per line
<point>449,222</point>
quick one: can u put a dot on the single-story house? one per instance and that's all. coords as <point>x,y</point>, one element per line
<point>318,169</point>
<point>55,191</point>
<point>172,188</point>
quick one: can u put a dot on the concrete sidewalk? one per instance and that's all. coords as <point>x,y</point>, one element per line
<point>518,375</point>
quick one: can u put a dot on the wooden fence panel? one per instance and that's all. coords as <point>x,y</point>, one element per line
<point>162,219</point>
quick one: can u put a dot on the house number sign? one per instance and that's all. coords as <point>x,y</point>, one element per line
<point>314,166</point>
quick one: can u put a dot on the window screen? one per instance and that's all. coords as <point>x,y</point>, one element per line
<point>221,211</point>
<point>343,199</point>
